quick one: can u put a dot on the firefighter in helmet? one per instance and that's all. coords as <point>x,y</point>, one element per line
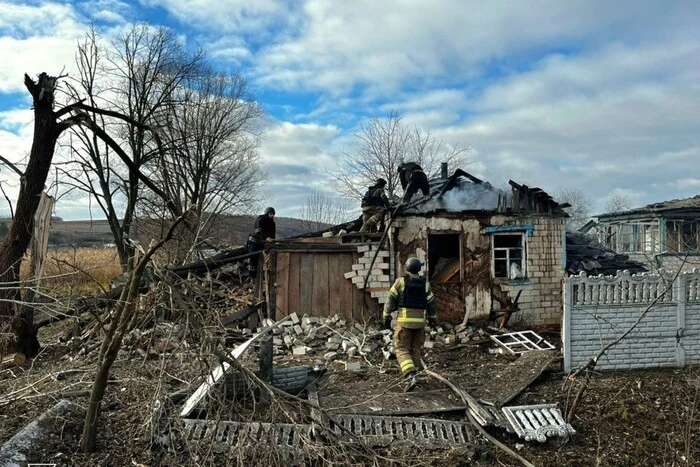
<point>412,179</point>
<point>373,205</point>
<point>413,298</point>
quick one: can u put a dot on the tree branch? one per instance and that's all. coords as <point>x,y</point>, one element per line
<point>12,166</point>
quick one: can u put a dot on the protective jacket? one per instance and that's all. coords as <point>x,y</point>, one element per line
<point>412,296</point>
<point>263,229</point>
<point>408,170</point>
<point>375,196</point>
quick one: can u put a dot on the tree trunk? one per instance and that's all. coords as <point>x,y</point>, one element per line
<point>25,331</point>
<point>46,132</point>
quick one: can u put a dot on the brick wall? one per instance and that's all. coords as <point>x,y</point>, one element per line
<point>597,310</point>
<point>540,301</point>
<point>541,297</point>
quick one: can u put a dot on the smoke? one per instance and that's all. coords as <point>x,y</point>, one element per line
<point>468,196</point>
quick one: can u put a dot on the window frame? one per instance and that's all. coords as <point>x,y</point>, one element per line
<point>523,259</point>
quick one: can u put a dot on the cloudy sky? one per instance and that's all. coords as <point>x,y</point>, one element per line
<point>596,95</point>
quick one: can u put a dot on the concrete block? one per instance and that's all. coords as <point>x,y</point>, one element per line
<point>334,346</point>
<point>353,365</point>
<point>294,318</point>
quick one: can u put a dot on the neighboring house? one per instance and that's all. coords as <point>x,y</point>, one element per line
<point>660,235</point>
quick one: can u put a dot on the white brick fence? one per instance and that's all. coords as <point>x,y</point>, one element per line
<point>597,310</point>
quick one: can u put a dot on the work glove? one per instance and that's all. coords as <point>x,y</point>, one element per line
<point>387,323</point>
<point>432,322</point>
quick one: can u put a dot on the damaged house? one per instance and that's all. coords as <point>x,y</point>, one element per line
<point>660,235</point>
<point>486,251</point>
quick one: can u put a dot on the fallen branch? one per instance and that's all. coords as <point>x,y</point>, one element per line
<point>469,401</point>
<point>315,410</point>
<point>13,360</point>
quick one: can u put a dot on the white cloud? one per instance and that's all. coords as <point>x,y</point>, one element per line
<point>342,44</point>
<point>297,158</point>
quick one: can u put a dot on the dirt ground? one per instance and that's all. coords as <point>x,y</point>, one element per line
<point>625,418</point>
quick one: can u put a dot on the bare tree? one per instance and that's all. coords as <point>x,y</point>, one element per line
<point>323,209</point>
<point>580,210</point>
<point>49,125</point>
<point>136,76</point>
<point>382,144</point>
<point>213,165</point>
<point>617,202</point>
<point>124,311</point>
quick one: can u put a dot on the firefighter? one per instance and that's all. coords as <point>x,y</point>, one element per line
<point>412,179</point>
<point>264,229</point>
<point>412,296</point>
<point>373,204</point>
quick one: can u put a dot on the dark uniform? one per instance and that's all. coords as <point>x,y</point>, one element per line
<point>373,204</point>
<point>412,179</point>
<point>263,229</point>
<point>412,296</point>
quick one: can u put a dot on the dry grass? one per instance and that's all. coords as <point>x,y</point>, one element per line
<point>79,271</point>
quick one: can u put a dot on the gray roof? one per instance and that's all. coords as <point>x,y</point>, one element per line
<point>664,206</point>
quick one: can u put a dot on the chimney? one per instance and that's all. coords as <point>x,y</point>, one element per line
<point>443,170</point>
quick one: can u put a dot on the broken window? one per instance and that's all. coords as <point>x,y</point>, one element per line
<point>682,236</point>
<point>626,237</point>
<point>646,235</point>
<point>611,236</point>
<point>509,256</point>
<point>444,257</point>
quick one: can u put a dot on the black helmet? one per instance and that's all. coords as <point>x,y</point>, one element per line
<point>269,210</point>
<point>413,265</point>
<point>380,182</point>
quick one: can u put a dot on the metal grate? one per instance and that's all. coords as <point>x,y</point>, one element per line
<point>370,429</point>
<point>537,422</point>
<point>520,342</point>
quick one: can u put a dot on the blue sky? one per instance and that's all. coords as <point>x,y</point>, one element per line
<point>596,95</point>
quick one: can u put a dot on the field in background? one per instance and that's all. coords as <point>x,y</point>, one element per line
<point>77,271</point>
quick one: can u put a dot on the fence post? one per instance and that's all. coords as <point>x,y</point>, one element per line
<point>566,321</point>
<point>681,300</point>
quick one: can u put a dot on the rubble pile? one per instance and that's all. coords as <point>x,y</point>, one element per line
<point>335,338</point>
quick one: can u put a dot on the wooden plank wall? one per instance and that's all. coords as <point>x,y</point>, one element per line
<point>313,283</point>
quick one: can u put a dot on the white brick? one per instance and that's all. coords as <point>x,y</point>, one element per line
<point>350,275</point>
<point>353,365</point>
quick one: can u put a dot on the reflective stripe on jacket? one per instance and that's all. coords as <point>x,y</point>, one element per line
<point>409,317</point>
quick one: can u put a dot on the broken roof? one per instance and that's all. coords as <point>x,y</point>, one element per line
<point>464,192</point>
<point>683,204</point>
<point>583,253</point>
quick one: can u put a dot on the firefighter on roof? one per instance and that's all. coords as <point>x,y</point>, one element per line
<point>412,179</point>
<point>413,298</point>
<point>373,205</point>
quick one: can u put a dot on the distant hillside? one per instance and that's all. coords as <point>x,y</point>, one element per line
<point>233,231</point>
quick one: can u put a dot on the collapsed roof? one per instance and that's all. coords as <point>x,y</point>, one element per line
<point>462,192</point>
<point>584,254</point>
